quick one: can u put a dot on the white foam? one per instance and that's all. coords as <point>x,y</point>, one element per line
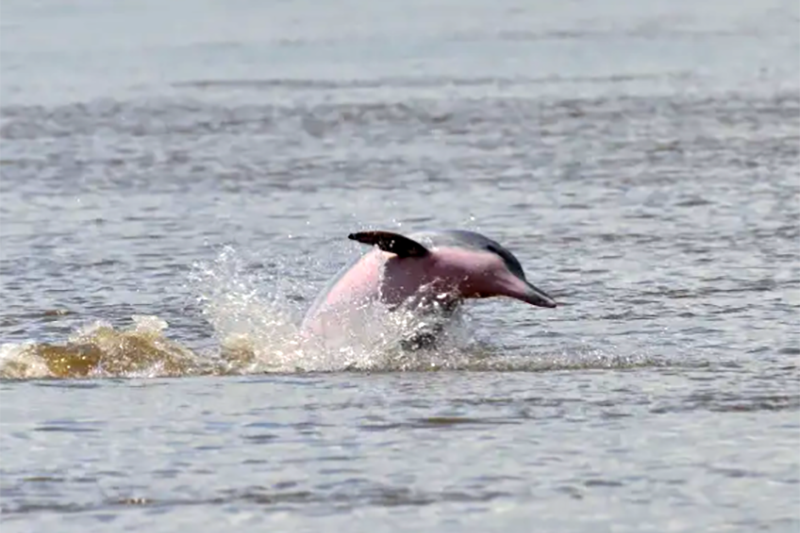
<point>19,360</point>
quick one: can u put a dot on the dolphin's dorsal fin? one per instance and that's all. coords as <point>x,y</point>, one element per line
<point>391,242</point>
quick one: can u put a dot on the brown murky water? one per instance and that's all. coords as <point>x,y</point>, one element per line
<point>178,181</point>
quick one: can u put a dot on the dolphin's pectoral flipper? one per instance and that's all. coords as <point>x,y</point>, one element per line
<point>391,242</point>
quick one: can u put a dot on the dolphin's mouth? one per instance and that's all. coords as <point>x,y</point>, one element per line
<point>538,297</point>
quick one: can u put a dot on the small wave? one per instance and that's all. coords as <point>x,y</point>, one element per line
<point>100,350</point>
<point>416,82</point>
<point>282,494</point>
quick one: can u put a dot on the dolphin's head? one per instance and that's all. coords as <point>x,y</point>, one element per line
<point>489,273</point>
<point>513,282</point>
<point>486,267</point>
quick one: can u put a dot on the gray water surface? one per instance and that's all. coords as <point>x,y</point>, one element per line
<point>199,165</point>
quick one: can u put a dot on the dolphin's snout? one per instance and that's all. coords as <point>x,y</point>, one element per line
<point>538,297</point>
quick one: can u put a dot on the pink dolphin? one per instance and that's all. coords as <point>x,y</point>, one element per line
<point>442,266</point>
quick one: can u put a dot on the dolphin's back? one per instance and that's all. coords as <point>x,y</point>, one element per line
<point>471,240</point>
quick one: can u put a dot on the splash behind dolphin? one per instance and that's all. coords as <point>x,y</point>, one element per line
<point>425,268</point>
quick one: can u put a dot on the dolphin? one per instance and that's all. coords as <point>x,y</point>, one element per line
<point>426,270</point>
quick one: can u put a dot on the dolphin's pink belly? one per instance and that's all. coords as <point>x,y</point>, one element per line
<point>359,286</point>
<point>393,280</point>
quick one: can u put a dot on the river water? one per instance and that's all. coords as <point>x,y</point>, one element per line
<point>178,181</point>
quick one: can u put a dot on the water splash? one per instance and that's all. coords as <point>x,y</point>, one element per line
<point>257,331</point>
<point>256,324</point>
<point>255,318</point>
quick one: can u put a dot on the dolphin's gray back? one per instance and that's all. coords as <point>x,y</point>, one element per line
<point>470,240</point>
